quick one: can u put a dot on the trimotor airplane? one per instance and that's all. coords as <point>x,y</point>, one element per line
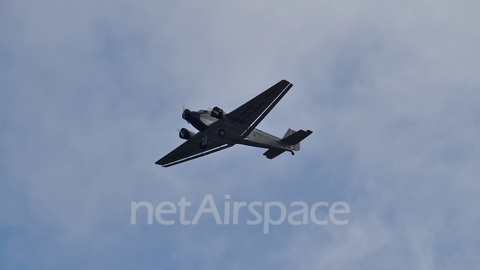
<point>219,130</point>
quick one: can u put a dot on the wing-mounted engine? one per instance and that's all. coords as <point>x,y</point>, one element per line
<point>186,134</point>
<point>216,113</point>
<point>186,115</point>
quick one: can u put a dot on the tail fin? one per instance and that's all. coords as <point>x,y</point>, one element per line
<point>288,133</point>
<point>294,138</point>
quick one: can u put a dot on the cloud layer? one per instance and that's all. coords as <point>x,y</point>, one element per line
<point>92,95</point>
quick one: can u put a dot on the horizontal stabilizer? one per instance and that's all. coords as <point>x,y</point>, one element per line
<point>296,137</point>
<point>273,153</point>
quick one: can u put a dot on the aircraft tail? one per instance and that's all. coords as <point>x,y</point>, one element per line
<point>294,138</point>
<point>273,153</point>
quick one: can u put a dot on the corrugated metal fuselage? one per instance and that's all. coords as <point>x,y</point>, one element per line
<point>257,138</point>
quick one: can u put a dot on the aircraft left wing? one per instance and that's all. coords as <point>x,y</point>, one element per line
<point>191,149</point>
<point>250,114</point>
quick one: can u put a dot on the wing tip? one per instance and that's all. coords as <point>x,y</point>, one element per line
<point>285,81</point>
<point>158,162</point>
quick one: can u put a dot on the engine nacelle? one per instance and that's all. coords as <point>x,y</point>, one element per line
<point>186,134</point>
<point>186,115</point>
<point>216,113</point>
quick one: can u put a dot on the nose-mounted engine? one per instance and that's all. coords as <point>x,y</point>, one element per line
<point>186,134</point>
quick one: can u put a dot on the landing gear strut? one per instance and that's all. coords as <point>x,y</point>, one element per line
<point>203,143</point>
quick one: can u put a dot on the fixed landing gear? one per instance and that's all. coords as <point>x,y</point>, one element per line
<point>291,152</point>
<point>203,143</point>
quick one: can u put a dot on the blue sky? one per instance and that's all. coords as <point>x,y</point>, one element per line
<point>92,93</point>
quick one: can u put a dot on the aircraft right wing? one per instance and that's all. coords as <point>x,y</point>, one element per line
<point>250,114</point>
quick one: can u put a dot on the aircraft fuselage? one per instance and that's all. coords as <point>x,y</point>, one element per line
<point>202,119</point>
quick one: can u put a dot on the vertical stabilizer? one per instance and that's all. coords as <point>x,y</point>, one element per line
<point>288,133</point>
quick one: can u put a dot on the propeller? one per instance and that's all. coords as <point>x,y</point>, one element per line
<point>185,113</point>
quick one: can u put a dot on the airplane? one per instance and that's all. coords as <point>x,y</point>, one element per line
<point>219,130</point>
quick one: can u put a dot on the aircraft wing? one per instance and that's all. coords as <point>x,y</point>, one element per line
<point>191,148</point>
<point>250,114</point>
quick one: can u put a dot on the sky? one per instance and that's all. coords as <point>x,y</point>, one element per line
<point>91,95</point>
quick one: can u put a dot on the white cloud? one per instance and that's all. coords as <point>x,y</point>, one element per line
<point>92,94</point>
